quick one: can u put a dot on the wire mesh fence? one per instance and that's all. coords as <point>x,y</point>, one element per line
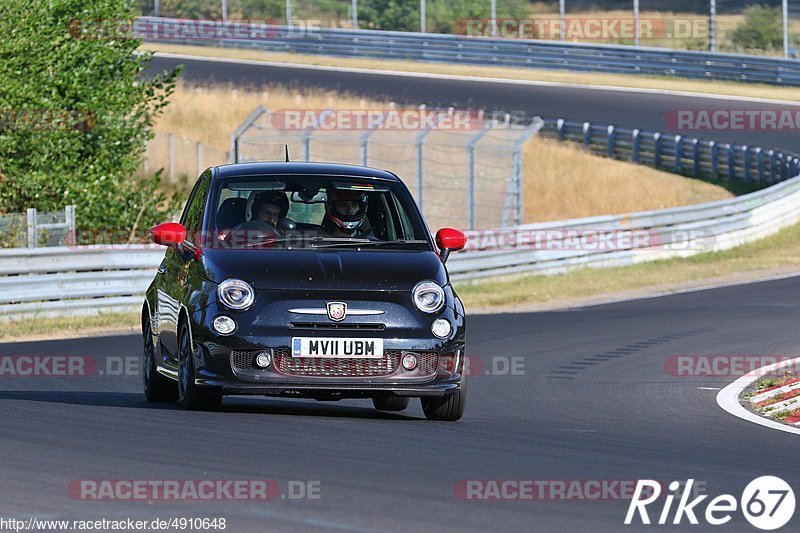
<point>35,229</point>
<point>182,159</point>
<point>470,178</point>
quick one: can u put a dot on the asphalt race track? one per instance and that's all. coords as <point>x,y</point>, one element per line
<point>593,402</point>
<point>642,110</point>
<point>590,397</point>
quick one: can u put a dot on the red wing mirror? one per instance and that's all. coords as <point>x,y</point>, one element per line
<point>168,234</point>
<point>450,240</point>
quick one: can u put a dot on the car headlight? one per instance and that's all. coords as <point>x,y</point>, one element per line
<point>236,294</point>
<point>428,297</point>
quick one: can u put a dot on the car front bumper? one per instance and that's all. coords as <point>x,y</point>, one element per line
<point>225,364</point>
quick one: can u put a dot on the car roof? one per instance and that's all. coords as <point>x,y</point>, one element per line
<point>314,169</point>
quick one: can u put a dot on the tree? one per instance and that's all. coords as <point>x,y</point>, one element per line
<point>761,29</point>
<point>76,113</point>
<point>396,15</point>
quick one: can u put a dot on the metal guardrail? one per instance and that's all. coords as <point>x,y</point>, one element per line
<point>662,234</point>
<point>679,154</point>
<point>75,280</point>
<point>617,59</point>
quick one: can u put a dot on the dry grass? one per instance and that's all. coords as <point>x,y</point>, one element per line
<point>39,328</point>
<point>537,75</point>
<point>211,114</point>
<point>563,181</point>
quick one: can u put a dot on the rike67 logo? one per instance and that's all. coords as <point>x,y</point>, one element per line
<point>767,503</point>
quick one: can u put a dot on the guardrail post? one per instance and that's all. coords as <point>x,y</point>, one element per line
<point>712,147</point>
<point>696,158</point>
<point>731,163</point>
<point>656,150</point>
<point>747,163</point>
<point>760,158</point>
<point>587,135</point>
<point>678,154</point>
<point>772,164</point>
<point>69,216</point>
<point>612,139</point>
<point>560,124</point>
<point>635,141</point>
<point>33,239</point>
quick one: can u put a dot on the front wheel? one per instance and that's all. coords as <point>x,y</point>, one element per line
<point>447,408</point>
<point>157,388</point>
<point>189,394</point>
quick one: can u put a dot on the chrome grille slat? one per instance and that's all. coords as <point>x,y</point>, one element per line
<point>333,326</point>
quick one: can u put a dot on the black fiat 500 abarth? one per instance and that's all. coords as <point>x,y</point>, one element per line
<point>304,280</point>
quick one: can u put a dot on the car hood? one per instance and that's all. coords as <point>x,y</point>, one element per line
<point>325,269</point>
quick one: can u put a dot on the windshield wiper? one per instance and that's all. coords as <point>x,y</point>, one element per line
<point>367,242</point>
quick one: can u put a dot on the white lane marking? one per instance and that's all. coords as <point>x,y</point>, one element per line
<point>708,388</point>
<point>455,77</point>
<point>728,398</point>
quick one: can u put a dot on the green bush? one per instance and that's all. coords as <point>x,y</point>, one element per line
<point>76,114</point>
<point>761,29</point>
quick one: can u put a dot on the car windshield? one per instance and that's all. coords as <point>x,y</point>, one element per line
<point>302,211</point>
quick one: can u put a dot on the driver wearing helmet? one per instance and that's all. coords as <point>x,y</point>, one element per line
<point>269,207</point>
<point>345,214</point>
<point>267,210</point>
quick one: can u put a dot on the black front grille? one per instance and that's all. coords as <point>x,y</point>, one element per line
<point>243,359</point>
<point>339,367</point>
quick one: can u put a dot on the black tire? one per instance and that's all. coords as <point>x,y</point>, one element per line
<point>447,408</point>
<point>189,395</point>
<point>390,402</point>
<point>157,388</point>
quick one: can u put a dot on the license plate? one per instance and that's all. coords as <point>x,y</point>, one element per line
<point>335,348</point>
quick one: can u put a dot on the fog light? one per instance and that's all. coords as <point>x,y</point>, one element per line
<point>263,360</point>
<point>224,325</point>
<point>409,361</point>
<point>441,328</point>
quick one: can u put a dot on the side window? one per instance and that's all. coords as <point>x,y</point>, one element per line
<point>192,218</point>
<point>405,228</point>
